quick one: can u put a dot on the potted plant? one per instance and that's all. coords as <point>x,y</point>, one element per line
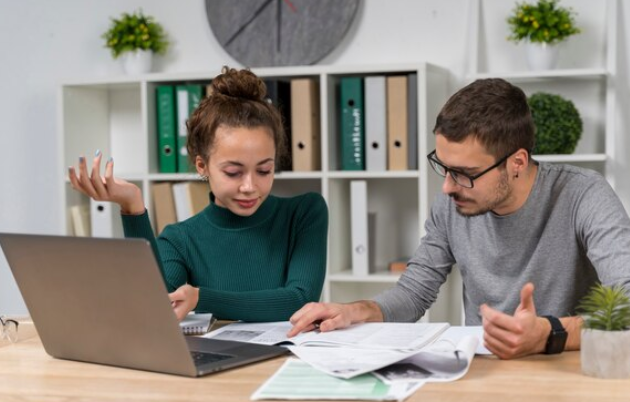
<point>605,350</point>
<point>558,123</point>
<point>134,38</point>
<point>542,26</point>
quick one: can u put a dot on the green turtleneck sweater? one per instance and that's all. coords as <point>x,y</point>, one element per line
<point>258,268</point>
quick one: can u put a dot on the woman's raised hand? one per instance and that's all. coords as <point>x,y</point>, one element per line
<point>107,188</point>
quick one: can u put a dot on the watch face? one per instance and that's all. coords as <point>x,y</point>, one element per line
<point>280,32</point>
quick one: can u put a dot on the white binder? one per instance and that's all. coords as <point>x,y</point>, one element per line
<point>375,123</point>
<point>359,228</point>
<point>105,219</point>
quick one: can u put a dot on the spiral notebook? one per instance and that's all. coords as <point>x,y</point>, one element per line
<point>197,324</point>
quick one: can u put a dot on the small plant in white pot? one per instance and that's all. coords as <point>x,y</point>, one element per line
<point>135,38</point>
<point>605,349</point>
<point>541,26</point>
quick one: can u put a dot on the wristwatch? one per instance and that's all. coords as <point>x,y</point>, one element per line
<point>557,337</point>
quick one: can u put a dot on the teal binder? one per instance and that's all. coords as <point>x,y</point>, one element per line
<point>166,128</point>
<point>352,126</point>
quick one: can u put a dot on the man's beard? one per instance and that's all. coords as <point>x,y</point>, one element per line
<point>502,193</point>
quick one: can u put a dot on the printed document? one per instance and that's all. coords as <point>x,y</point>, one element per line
<point>298,380</point>
<point>445,359</point>
<point>383,336</point>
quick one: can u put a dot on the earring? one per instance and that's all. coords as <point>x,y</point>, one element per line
<point>203,178</point>
<point>516,177</point>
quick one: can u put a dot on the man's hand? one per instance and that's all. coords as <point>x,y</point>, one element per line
<point>511,337</point>
<point>184,300</point>
<point>330,316</point>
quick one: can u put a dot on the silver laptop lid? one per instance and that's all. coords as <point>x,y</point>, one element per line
<point>98,300</point>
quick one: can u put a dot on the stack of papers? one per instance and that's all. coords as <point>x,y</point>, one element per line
<point>386,360</point>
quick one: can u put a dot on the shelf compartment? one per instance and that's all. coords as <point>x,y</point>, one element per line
<point>397,222</point>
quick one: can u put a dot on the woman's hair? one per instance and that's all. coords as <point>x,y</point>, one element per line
<point>494,112</point>
<point>237,98</point>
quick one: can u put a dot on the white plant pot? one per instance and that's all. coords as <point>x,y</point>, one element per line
<point>541,56</point>
<point>137,62</point>
<point>605,354</point>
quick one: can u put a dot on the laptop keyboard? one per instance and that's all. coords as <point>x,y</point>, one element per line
<point>201,358</point>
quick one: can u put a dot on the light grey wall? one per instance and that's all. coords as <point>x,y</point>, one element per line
<point>45,43</point>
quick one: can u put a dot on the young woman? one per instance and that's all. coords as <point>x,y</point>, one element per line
<point>249,255</point>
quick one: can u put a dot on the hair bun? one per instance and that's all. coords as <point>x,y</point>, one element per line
<point>241,84</point>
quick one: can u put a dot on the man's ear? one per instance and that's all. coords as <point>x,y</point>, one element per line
<point>520,161</point>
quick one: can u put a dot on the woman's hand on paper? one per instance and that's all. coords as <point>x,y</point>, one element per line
<point>107,188</point>
<point>184,300</point>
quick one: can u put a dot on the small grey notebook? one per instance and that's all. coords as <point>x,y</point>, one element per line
<point>197,324</point>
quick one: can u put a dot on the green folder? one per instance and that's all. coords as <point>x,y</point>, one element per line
<point>166,128</point>
<point>188,98</point>
<point>352,127</point>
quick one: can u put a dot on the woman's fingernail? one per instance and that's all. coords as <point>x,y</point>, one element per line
<point>81,159</point>
<point>110,160</point>
<point>98,152</point>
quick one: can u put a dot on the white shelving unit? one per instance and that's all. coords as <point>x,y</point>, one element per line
<point>585,73</point>
<point>117,116</point>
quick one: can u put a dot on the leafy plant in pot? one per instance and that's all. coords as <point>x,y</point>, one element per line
<point>542,26</point>
<point>135,38</point>
<point>558,123</point>
<point>605,348</point>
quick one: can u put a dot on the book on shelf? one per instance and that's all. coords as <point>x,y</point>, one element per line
<point>279,95</point>
<point>375,123</point>
<point>352,125</point>
<point>188,98</point>
<point>397,122</point>
<point>190,198</point>
<point>305,125</point>
<point>163,205</point>
<point>398,266</point>
<point>80,217</point>
<point>197,323</point>
<point>166,128</point>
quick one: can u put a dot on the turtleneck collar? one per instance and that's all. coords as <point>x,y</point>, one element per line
<point>225,219</point>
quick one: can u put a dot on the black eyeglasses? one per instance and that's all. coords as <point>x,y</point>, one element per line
<point>461,178</point>
<point>8,329</point>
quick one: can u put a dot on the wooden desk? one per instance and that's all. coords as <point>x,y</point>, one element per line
<point>27,373</point>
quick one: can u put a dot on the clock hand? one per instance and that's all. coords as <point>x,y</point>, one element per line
<point>278,24</point>
<point>279,20</point>
<point>246,24</point>
<point>291,6</point>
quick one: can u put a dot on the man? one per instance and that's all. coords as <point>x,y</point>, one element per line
<point>509,223</point>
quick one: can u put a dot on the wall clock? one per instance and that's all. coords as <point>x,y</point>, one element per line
<point>261,33</point>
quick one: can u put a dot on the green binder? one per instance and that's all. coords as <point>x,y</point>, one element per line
<point>188,98</point>
<point>352,125</point>
<point>166,128</point>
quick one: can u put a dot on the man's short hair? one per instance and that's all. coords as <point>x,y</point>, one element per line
<point>491,110</point>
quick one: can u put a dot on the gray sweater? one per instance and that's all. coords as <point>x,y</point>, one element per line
<point>571,232</point>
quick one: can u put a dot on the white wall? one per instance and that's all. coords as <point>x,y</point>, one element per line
<point>45,43</point>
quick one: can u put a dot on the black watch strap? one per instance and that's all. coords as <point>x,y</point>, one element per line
<point>557,337</point>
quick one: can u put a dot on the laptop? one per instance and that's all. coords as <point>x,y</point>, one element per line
<point>104,301</point>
